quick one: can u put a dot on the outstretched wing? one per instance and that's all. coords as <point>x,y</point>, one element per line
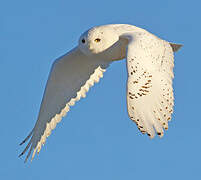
<point>150,97</point>
<point>70,78</point>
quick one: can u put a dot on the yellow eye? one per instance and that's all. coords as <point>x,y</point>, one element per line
<point>97,40</point>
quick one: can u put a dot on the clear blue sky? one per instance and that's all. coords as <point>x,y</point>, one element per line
<point>96,140</point>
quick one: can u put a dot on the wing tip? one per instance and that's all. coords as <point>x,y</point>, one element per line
<point>151,136</point>
<point>160,134</point>
<point>175,47</point>
<point>20,154</point>
<point>22,142</point>
<point>29,135</point>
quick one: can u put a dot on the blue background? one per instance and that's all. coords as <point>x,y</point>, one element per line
<point>96,140</point>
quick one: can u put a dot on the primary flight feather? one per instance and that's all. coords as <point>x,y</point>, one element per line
<point>150,63</point>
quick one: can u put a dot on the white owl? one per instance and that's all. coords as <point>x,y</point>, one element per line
<point>150,62</point>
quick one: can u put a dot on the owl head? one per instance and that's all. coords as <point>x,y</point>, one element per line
<point>97,40</point>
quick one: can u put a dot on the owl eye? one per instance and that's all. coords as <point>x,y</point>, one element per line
<point>97,40</point>
<point>83,41</point>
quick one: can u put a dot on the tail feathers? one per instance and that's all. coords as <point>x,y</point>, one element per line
<point>175,47</point>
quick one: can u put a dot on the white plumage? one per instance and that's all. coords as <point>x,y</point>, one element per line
<point>150,64</point>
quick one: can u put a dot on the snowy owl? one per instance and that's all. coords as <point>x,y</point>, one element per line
<point>150,62</point>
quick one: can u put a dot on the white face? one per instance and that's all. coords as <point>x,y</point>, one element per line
<point>97,40</point>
